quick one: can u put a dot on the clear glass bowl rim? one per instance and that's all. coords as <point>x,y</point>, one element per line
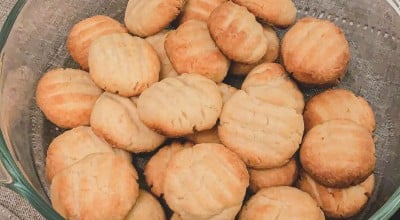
<point>18,182</point>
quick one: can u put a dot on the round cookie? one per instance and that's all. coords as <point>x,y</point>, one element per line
<point>181,105</point>
<point>100,186</point>
<point>270,56</point>
<point>316,52</point>
<point>338,153</point>
<point>66,97</point>
<point>269,82</point>
<point>148,17</point>
<point>281,203</point>
<point>115,118</point>
<point>146,207</point>
<point>338,202</point>
<point>122,64</point>
<point>264,135</point>
<point>280,176</point>
<point>192,50</point>
<point>237,33</point>
<point>85,32</point>
<point>280,13</point>
<point>157,41</point>
<point>199,9</point>
<point>157,166</point>
<point>338,104</point>
<point>205,181</point>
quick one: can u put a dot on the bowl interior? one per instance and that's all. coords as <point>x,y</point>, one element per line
<point>37,44</point>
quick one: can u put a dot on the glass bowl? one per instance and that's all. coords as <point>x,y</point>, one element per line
<point>32,41</point>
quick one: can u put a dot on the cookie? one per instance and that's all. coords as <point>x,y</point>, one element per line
<point>280,13</point>
<point>338,202</point>
<point>262,134</point>
<point>157,165</point>
<point>100,186</point>
<point>282,202</point>
<point>269,82</point>
<point>199,9</point>
<point>115,118</point>
<point>192,50</point>
<point>85,32</point>
<point>157,41</point>
<point>181,105</point>
<point>148,17</point>
<point>338,153</point>
<point>205,181</point>
<point>207,136</point>
<point>66,97</point>
<point>270,56</point>
<point>146,207</point>
<point>280,176</point>
<point>316,52</point>
<point>338,104</point>
<point>237,33</point>
<point>122,64</point>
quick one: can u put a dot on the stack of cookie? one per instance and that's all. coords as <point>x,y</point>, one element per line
<point>161,91</point>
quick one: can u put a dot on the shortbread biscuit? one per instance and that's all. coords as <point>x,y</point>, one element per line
<point>192,50</point>
<point>338,104</point>
<point>157,41</point>
<point>179,106</point>
<point>157,165</point>
<point>207,136</point>
<point>270,56</point>
<point>146,208</point>
<point>100,186</point>
<point>269,82</point>
<point>338,202</point>
<point>280,13</point>
<point>316,52</point>
<point>122,64</point>
<point>66,97</point>
<point>199,10</point>
<point>281,203</point>
<point>115,118</point>
<point>280,176</point>
<point>206,181</point>
<point>237,33</point>
<point>85,32</point>
<point>338,153</point>
<point>264,135</point>
<point>148,17</point>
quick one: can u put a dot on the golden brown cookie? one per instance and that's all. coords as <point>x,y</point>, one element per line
<point>146,208</point>
<point>72,146</point>
<point>338,104</point>
<point>115,118</point>
<point>148,17</point>
<point>316,52</point>
<point>199,9</point>
<point>281,203</point>
<point>181,105</point>
<point>270,56</point>
<point>100,186</point>
<point>206,181</point>
<point>264,135</point>
<point>192,50</point>
<point>338,153</point>
<point>157,41</point>
<point>156,167</point>
<point>269,82</point>
<point>280,13</point>
<point>338,202</point>
<point>280,176</point>
<point>67,96</point>
<point>122,64</point>
<point>207,136</point>
<point>237,33</point>
<point>85,32</point>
